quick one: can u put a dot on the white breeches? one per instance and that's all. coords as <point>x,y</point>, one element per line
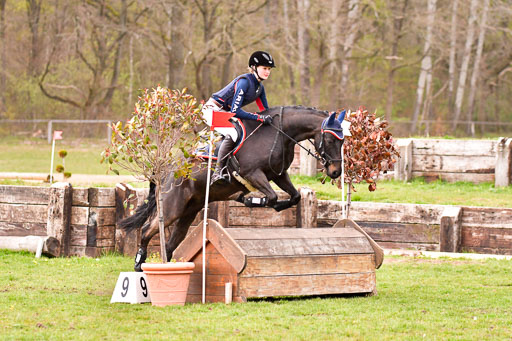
<point>208,108</point>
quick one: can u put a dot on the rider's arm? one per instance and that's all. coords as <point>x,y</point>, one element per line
<point>241,88</point>
<point>262,101</point>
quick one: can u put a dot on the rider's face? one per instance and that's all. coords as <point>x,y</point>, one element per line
<point>263,71</point>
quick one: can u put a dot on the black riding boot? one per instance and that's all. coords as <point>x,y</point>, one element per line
<point>225,148</point>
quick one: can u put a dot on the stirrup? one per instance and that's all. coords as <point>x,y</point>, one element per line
<point>221,177</point>
<point>218,179</point>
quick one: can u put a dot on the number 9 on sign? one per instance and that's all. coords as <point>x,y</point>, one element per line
<point>131,287</point>
<point>143,287</point>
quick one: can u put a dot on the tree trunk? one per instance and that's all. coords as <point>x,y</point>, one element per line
<point>465,63</point>
<point>476,66</point>
<point>288,52</point>
<point>334,48</point>
<point>130,80</point>
<point>427,104</point>
<point>175,70</point>
<point>426,63</point>
<point>453,48</point>
<point>205,72</point>
<point>352,24</point>
<point>226,69</point>
<point>318,75</point>
<point>3,49</point>
<point>161,225</point>
<point>123,16</point>
<point>34,15</point>
<point>398,19</point>
<point>303,44</point>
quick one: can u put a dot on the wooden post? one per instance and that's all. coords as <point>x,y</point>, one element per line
<point>219,211</point>
<point>503,170</point>
<point>92,232</point>
<point>307,208</point>
<point>125,243</point>
<point>450,229</point>
<point>307,162</point>
<point>59,215</point>
<point>403,167</point>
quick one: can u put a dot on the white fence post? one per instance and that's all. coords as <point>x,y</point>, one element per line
<point>50,131</point>
<point>502,172</point>
<point>403,167</point>
<point>307,162</point>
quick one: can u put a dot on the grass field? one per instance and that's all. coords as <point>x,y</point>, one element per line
<point>418,299</point>
<point>33,155</point>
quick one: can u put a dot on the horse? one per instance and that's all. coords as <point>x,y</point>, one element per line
<point>266,155</point>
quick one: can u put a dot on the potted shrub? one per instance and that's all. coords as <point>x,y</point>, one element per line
<point>158,141</point>
<point>167,282</point>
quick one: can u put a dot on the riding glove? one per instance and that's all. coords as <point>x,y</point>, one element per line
<point>265,119</point>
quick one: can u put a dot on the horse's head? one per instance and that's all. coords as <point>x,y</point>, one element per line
<point>328,144</point>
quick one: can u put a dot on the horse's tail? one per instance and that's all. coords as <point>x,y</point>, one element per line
<point>142,213</point>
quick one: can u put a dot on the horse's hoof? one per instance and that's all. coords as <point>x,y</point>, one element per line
<point>138,267</point>
<point>140,258</point>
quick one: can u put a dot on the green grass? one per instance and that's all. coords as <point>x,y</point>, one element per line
<point>32,155</point>
<point>418,191</point>
<point>68,298</point>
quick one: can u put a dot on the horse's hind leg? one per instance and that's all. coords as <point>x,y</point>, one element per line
<point>172,213</point>
<point>148,231</point>
<point>179,232</point>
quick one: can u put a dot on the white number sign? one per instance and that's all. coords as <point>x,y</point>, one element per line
<point>131,287</point>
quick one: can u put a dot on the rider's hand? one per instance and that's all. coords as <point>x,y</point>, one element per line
<point>265,119</point>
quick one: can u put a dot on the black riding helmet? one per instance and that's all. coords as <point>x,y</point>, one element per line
<point>261,58</point>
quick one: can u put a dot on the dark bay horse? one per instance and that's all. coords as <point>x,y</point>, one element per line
<point>265,156</point>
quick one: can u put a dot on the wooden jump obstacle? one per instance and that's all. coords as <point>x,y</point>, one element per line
<point>280,261</point>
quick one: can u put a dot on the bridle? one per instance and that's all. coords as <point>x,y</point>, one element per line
<point>323,156</point>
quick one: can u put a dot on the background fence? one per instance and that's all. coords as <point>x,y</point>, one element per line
<point>43,128</point>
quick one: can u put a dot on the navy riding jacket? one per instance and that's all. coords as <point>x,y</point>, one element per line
<point>241,91</point>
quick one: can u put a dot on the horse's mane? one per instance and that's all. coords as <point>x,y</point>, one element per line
<point>298,107</point>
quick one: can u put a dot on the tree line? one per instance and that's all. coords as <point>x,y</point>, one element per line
<point>447,62</point>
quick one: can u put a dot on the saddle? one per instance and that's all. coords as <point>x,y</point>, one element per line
<point>232,168</point>
<point>204,152</point>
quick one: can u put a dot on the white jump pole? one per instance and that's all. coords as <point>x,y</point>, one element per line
<point>343,208</point>
<point>205,217</point>
<point>51,163</point>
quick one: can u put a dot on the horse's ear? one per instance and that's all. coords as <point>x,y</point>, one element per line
<point>341,117</point>
<point>331,119</point>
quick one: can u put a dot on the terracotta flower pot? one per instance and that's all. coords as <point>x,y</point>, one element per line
<point>168,282</point>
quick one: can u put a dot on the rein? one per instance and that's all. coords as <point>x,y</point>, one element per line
<point>322,158</point>
<point>274,145</point>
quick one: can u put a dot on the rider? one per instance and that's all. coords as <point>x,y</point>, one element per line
<point>241,91</point>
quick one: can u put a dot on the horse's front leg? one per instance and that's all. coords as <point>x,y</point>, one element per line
<point>259,180</point>
<point>286,185</point>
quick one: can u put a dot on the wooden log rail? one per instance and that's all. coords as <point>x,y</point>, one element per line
<point>456,160</point>
<point>83,221</point>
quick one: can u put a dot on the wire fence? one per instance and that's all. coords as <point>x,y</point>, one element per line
<point>99,129</point>
<point>45,128</point>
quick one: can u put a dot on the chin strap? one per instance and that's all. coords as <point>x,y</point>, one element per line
<point>255,72</point>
